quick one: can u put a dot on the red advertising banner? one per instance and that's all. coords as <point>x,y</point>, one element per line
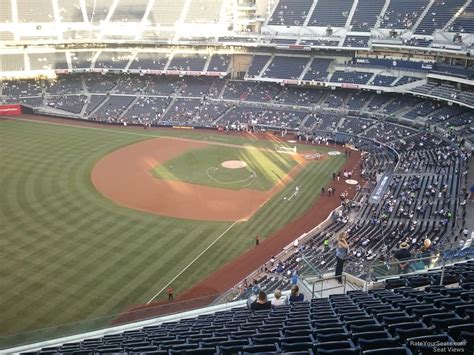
<point>10,110</point>
<point>350,86</point>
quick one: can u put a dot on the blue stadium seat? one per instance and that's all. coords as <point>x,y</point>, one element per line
<point>265,348</point>
<point>408,325</point>
<point>461,309</point>
<point>297,346</point>
<point>333,345</point>
<point>232,346</point>
<point>445,323</point>
<point>354,351</point>
<point>405,334</point>
<point>370,336</point>
<point>332,337</point>
<point>367,328</point>
<point>366,344</point>
<point>399,350</point>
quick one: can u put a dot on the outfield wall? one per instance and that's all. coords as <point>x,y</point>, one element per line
<point>10,110</point>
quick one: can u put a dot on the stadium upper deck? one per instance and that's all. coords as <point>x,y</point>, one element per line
<point>335,23</point>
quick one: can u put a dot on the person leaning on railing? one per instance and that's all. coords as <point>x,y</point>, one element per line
<point>403,256</point>
<point>425,252</point>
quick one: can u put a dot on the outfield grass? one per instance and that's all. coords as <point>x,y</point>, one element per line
<point>203,166</point>
<point>69,254</point>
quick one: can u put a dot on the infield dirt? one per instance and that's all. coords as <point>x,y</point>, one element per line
<point>124,177</point>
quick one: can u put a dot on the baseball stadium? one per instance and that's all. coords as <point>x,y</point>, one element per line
<point>237,176</point>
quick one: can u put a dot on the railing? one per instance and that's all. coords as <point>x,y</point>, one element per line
<point>100,326</point>
<point>314,272</point>
<point>379,269</point>
<point>314,264</point>
<point>314,279</point>
<point>320,287</point>
<point>385,269</point>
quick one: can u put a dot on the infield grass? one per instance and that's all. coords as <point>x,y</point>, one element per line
<point>68,254</point>
<point>203,166</point>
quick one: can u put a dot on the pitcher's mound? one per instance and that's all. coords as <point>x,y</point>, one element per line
<point>234,164</point>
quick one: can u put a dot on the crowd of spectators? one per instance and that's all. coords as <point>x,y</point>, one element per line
<point>423,204</point>
<point>211,101</point>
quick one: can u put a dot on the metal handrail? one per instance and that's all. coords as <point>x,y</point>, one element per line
<point>322,280</point>
<point>311,266</point>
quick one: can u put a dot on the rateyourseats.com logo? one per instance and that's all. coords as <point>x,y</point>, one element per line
<point>440,346</point>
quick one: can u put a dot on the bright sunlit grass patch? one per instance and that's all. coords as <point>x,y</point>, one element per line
<point>262,170</point>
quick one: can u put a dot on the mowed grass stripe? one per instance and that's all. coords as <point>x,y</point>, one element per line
<point>281,211</point>
<point>97,257</point>
<point>21,182</point>
<point>112,278</point>
<point>178,260</point>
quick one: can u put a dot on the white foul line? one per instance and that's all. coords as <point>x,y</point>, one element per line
<point>192,262</point>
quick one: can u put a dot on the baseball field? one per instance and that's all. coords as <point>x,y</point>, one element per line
<point>96,218</point>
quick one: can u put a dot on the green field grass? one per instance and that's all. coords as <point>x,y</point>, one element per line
<point>203,166</point>
<point>69,254</point>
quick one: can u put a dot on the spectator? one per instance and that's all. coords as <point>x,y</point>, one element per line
<point>255,288</point>
<point>261,302</point>
<point>253,296</point>
<point>294,278</point>
<point>342,250</point>
<point>425,252</point>
<point>296,243</point>
<point>326,245</point>
<point>278,300</point>
<point>403,256</point>
<point>295,295</point>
